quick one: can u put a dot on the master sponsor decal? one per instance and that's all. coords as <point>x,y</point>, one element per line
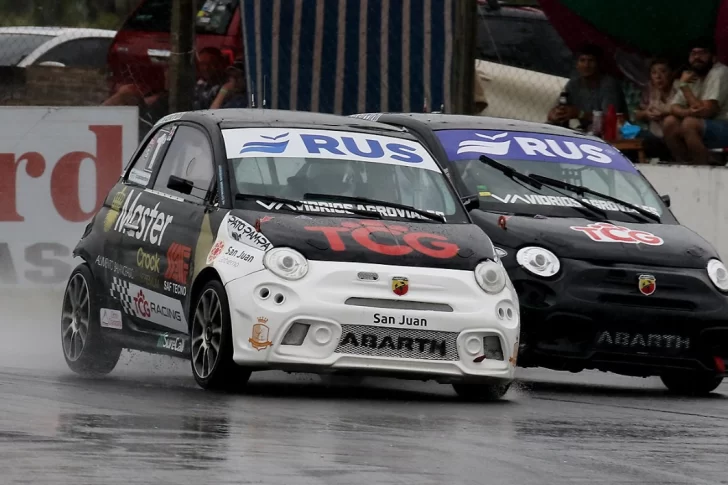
<point>561,201</point>
<point>606,232</point>
<point>152,222</point>
<point>364,234</point>
<point>259,339</point>
<point>147,261</point>
<point>215,251</point>
<point>149,305</point>
<point>402,320</point>
<point>110,318</point>
<point>244,233</point>
<point>538,147</point>
<point>114,267</point>
<point>178,263</point>
<point>176,344</point>
<point>643,341</point>
<point>331,144</point>
<point>343,208</point>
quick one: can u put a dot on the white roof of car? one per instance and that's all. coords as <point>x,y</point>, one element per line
<point>56,31</point>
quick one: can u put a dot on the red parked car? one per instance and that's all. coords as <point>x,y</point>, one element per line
<point>141,49</point>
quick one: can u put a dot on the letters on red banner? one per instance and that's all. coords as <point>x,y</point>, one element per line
<point>400,241</point>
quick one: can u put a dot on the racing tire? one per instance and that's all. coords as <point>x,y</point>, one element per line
<point>481,392</point>
<point>85,349</point>
<point>211,342</point>
<point>691,384</point>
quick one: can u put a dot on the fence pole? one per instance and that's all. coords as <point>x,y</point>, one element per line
<point>182,60</point>
<point>466,28</point>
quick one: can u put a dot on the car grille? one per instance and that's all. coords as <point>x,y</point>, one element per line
<point>398,343</point>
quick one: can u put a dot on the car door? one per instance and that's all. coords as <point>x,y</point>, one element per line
<point>165,222</point>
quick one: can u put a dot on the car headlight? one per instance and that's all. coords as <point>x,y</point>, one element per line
<point>286,263</point>
<point>718,274</point>
<point>491,277</point>
<point>539,261</point>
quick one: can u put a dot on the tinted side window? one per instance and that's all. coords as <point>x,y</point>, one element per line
<point>189,157</point>
<point>523,42</point>
<point>152,16</point>
<point>213,17</point>
<point>87,52</point>
<point>143,166</point>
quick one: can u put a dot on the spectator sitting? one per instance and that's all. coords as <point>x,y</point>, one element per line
<point>588,91</point>
<point>655,107</point>
<point>233,93</point>
<point>211,69</point>
<point>699,111</point>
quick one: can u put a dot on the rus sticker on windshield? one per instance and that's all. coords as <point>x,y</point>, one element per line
<point>331,144</point>
<point>536,147</point>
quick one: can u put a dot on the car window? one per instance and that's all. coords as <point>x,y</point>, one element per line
<point>189,156</point>
<point>18,46</point>
<point>523,42</point>
<point>143,166</point>
<point>213,17</point>
<point>89,52</point>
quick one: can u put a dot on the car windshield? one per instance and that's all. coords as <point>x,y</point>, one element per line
<point>578,161</point>
<point>343,167</point>
<point>17,46</point>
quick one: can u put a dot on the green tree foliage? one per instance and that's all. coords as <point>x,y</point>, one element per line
<point>105,14</point>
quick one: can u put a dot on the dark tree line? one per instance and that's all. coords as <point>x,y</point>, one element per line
<point>67,13</point>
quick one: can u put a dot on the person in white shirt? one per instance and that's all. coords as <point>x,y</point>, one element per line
<point>698,119</point>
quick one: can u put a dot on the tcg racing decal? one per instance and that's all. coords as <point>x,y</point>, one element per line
<point>244,233</point>
<point>605,232</point>
<point>149,305</point>
<point>433,245</point>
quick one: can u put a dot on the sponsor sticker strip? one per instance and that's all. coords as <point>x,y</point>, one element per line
<point>554,200</point>
<point>330,144</point>
<point>343,208</point>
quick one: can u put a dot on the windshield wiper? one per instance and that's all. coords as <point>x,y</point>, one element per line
<point>299,205</point>
<point>365,200</point>
<point>581,190</point>
<point>533,181</point>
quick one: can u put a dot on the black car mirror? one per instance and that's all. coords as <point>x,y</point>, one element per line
<point>179,184</point>
<point>666,199</point>
<point>471,202</point>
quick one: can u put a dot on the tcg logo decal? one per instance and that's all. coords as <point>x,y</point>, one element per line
<point>142,305</point>
<point>605,232</point>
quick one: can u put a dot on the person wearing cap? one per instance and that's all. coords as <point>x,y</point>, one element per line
<point>233,93</point>
<point>698,118</point>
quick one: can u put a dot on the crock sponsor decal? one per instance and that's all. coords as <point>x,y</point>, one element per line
<point>537,147</point>
<point>149,305</point>
<point>330,144</point>
<point>245,233</point>
<point>606,232</point>
<point>148,261</point>
<point>343,208</point>
<point>403,243</point>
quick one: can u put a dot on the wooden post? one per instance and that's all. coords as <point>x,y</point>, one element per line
<point>465,38</point>
<point>182,58</point>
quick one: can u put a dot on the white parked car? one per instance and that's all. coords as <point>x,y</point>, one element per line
<point>55,46</point>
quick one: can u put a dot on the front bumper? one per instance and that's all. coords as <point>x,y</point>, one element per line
<point>593,316</point>
<point>437,330</point>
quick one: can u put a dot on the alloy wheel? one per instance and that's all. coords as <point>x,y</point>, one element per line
<point>75,317</point>
<point>206,333</point>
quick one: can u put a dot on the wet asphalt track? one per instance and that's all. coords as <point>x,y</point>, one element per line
<point>148,423</point>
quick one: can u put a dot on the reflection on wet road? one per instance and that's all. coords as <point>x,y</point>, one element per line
<point>134,427</point>
<point>148,423</point>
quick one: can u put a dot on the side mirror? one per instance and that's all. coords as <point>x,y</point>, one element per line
<point>471,202</point>
<point>666,199</point>
<point>179,184</point>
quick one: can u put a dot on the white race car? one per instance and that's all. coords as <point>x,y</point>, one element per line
<point>252,240</point>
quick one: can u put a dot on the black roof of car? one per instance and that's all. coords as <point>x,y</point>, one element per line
<point>256,118</point>
<point>440,121</point>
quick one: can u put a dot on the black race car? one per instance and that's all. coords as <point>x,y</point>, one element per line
<point>607,277</point>
<point>248,240</point>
